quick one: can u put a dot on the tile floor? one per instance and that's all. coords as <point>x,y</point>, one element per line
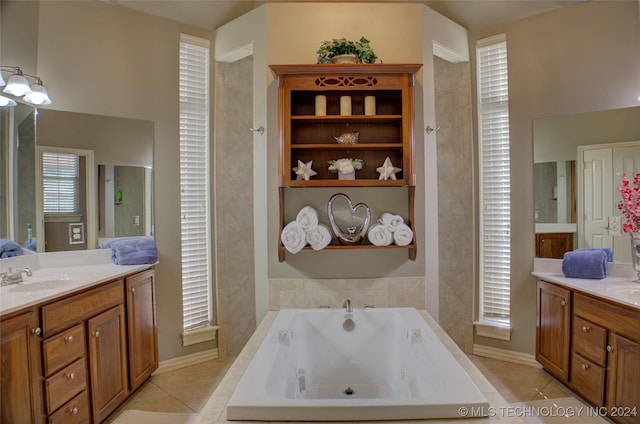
<point>187,389</point>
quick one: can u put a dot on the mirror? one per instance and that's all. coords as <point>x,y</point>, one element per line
<point>555,147</point>
<point>123,146</point>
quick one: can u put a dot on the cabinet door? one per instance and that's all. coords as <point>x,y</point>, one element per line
<point>107,361</point>
<point>553,329</point>
<point>21,373</point>
<point>554,245</point>
<point>141,321</point>
<point>623,396</point>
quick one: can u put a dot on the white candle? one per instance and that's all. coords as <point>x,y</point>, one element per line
<point>345,105</point>
<point>369,105</point>
<point>321,105</point>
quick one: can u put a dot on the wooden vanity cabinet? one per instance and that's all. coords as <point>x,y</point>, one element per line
<point>553,245</point>
<point>553,329</point>
<point>21,373</point>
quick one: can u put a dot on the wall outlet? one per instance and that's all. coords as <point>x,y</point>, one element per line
<point>136,220</point>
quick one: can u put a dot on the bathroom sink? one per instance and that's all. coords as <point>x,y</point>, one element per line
<point>628,292</point>
<point>42,282</point>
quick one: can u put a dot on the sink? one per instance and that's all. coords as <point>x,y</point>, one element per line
<point>41,282</point>
<point>627,292</point>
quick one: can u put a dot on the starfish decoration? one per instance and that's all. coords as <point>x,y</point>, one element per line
<point>303,170</point>
<point>387,170</point>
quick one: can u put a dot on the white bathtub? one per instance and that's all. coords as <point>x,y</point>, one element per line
<point>390,366</point>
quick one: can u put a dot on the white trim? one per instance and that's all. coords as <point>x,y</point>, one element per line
<point>494,39</point>
<point>493,330</point>
<point>192,39</point>
<point>447,54</point>
<point>506,355</point>
<point>236,54</point>
<point>199,335</point>
<point>186,360</point>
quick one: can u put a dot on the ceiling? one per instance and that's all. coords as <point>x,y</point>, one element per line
<point>471,14</point>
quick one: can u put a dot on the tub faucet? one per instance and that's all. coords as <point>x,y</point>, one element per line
<point>10,277</point>
<point>347,304</point>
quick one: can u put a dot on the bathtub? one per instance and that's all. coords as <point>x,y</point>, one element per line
<point>390,366</point>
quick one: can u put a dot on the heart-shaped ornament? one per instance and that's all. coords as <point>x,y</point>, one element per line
<point>348,222</point>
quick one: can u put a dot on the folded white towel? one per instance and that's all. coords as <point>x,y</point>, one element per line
<point>379,235</point>
<point>293,237</point>
<point>391,221</point>
<point>403,235</point>
<point>307,218</point>
<point>319,237</point>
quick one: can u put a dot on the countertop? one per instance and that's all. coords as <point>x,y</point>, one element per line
<point>59,274</point>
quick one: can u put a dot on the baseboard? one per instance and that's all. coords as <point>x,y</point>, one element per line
<point>186,360</point>
<point>506,355</point>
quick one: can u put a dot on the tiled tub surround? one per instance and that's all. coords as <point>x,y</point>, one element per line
<point>214,411</point>
<point>394,292</point>
<point>368,364</point>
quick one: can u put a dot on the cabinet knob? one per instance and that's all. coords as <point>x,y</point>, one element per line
<point>36,331</point>
<point>563,302</point>
<point>96,333</point>
<point>71,376</point>
<point>609,348</point>
<point>586,328</point>
<point>584,367</point>
<point>133,289</point>
<point>68,339</point>
<point>73,411</point>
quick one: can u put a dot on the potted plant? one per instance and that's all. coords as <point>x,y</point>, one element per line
<point>333,51</point>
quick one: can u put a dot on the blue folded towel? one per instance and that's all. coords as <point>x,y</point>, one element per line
<point>606,250</point>
<point>585,263</point>
<point>134,251</point>
<point>9,249</point>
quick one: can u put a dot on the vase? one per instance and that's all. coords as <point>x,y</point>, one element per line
<point>635,252</point>
<point>348,176</point>
<point>344,58</point>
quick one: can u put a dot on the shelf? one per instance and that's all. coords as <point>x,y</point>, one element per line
<point>337,247</point>
<point>357,146</point>
<point>355,119</point>
<point>346,183</point>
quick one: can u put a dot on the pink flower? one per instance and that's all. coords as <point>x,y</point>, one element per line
<point>629,205</point>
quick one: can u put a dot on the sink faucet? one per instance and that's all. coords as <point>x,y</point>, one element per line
<point>347,304</point>
<point>10,277</point>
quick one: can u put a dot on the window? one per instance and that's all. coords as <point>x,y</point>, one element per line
<point>61,183</point>
<point>194,183</point>
<point>495,184</point>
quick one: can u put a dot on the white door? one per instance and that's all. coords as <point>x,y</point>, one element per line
<point>625,159</point>
<point>597,198</point>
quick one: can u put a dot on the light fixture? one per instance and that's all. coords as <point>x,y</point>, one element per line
<point>18,85</point>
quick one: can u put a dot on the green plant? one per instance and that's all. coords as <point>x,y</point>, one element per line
<point>337,46</point>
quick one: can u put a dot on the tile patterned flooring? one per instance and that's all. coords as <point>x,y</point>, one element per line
<point>188,389</point>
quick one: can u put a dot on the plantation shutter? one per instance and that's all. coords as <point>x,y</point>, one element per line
<point>61,182</point>
<point>194,180</point>
<point>495,208</point>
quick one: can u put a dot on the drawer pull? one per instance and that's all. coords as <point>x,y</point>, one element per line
<point>36,331</point>
<point>609,348</point>
<point>96,333</point>
<point>73,411</point>
<point>71,376</point>
<point>586,329</point>
<point>68,339</point>
<point>584,366</point>
<point>563,302</point>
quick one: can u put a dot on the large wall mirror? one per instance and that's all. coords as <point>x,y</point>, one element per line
<point>570,152</point>
<point>73,179</point>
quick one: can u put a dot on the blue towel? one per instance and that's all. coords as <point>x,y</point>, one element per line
<point>585,263</point>
<point>9,249</point>
<point>134,251</point>
<point>606,250</point>
<point>31,244</point>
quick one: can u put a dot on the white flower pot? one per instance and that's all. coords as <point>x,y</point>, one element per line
<point>349,176</point>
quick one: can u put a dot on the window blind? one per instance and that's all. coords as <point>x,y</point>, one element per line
<point>194,180</point>
<point>495,179</point>
<point>61,182</point>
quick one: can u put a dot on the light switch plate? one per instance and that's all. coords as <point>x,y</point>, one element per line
<point>614,226</point>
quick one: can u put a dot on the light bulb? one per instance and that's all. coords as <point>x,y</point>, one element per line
<point>17,85</point>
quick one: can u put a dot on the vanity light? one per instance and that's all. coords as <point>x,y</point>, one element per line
<point>18,85</point>
<point>5,101</point>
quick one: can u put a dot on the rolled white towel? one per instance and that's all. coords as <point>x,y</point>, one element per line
<point>319,237</point>
<point>391,221</point>
<point>379,235</point>
<point>307,218</point>
<point>293,237</point>
<point>403,235</point>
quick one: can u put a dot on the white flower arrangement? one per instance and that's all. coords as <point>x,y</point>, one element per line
<point>345,165</point>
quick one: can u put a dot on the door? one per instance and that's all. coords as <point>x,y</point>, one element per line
<point>553,329</point>
<point>597,197</point>
<point>623,396</point>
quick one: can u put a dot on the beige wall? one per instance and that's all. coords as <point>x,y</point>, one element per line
<point>580,58</point>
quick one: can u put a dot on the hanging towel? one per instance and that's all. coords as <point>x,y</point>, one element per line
<point>319,237</point>
<point>134,251</point>
<point>391,221</point>
<point>379,235</point>
<point>307,218</point>
<point>9,249</point>
<point>293,237</point>
<point>403,235</point>
<point>585,263</point>
<point>606,250</point>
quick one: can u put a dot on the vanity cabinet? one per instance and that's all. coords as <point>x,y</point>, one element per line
<point>21,376</point>
<point>307,135</point>
<point>553,245</point>
<point>553,329</point>
<point>604,349</point>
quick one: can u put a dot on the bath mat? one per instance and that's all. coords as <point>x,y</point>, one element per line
<point>132,416</point>
<point>566,410</point>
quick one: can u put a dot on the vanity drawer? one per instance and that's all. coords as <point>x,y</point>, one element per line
<point>590,340</point>
<point>60,350</point>
<point>65,384</point>
<point>59,315</point>
<point>588,379</point>
<point>76,411</point>
<point>620,319</point>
